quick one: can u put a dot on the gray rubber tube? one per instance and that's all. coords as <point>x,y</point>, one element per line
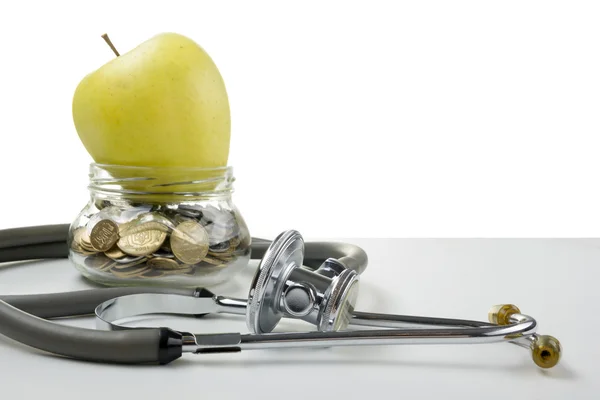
<point>34,252</point>
<point>353,257</point>
<point>25,236</point>
<point>133,346</point>
<point>77,303</point>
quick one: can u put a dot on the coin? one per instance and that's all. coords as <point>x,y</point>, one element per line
<point>84,241</point>
<point>161,253</point>
<point>76,244</point>
<point>129,270</point>
<point>98,262</point>
<point>221,247</point>
<point>185,269</point>
<point>129,259</point>
<point>189,242</point>
<point>234,242</point>
<point>213,261</point>
<point>216,233</point>
<point>131,273</point>
<point>104,235</point>
<point>147,221</point>
<point>142,243</point>
<point>189,212</point>
<point>133,212</point>
<point>153,273</point>
<point>125,267</point>
<point>110,212</point>
<point>115,253</point>
<point>163,263</point>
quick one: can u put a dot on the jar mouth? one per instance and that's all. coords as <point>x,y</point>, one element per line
<point>160,183</point>
<point>125,168</point>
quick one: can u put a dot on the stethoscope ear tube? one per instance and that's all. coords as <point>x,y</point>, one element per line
<point>34,243</point>
<point>152,345</point>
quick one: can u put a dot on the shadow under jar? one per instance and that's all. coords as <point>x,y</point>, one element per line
<point>159,226</point>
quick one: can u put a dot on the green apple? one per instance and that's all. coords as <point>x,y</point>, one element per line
<point>162,104</point>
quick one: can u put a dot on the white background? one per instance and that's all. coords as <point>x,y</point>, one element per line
<point>353,119</point>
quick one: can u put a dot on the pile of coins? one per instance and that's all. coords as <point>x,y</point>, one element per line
<point>149,243</point>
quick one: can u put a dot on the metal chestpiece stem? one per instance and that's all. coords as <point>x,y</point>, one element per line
<point>283,287</point>
<point>310,296</point>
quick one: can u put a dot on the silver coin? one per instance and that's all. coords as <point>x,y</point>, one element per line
<point>216,234</point>
<point>220,247</point>
<point>153,273</point>
<point>189,212</point>
<point>163,254</point>
<point>129,259</point>
<point>129,214</point>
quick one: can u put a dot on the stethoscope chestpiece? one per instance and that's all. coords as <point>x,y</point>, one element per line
<point>283,287</point>
<point>284,254</point>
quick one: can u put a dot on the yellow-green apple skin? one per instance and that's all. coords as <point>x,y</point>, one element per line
<point>162,104</point>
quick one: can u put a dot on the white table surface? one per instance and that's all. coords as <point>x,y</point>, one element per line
<point>555,281</point>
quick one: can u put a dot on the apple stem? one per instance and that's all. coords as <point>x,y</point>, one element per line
<point>107,40</point>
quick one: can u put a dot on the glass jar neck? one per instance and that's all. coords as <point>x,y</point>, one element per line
<point>159,184</point>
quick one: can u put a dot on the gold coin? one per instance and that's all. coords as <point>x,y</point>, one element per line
<point>82,238</point>
<point>153,273</point>
<point>98,262</point>
<point>181,271</point>
<point>222,256</point>
<point>163,263</point>
<point>234,242</point>
<point>76,245</point>
<point>130,228</point>
<point>213,261</point>
<point>142,243</point>
<point>189,242</point>
<point>129,270</point>
<point>136,271</point>
<point>104,235</point>
<point>115,253</point>
<point>77,238</point>
<point>108,266</point>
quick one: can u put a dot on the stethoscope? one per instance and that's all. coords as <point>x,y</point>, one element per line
<point>313,282</point>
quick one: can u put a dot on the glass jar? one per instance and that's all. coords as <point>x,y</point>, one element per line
<point>159,226</point>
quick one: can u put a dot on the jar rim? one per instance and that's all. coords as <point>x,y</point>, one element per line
<point>159,168</point>
<point>174,183</point>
